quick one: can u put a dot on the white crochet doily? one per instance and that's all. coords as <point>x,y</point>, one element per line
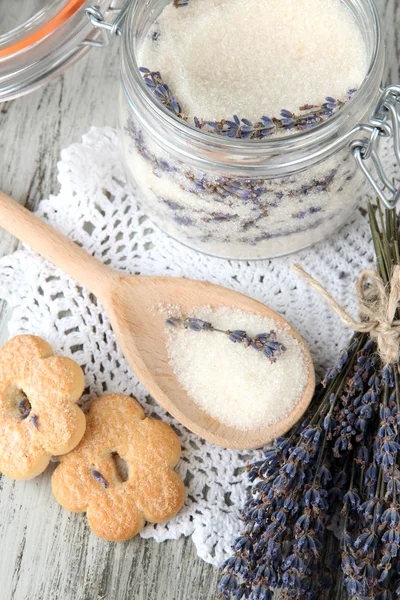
<point>96,208</point>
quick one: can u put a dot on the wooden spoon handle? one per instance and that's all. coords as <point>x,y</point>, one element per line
<point>58,249</point>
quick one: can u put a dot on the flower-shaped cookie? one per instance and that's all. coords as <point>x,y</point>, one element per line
<point>90,477</point>
<point>38,414</point>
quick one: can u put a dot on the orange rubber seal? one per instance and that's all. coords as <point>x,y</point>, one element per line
<point>65,13</point>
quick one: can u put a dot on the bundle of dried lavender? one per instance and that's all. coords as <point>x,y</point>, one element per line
<point>340,466</point>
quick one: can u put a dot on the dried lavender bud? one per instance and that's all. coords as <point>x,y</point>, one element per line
<point>161,90</point>
<point>180,3</point>
<point>238,335</point>
<point>197,324</point>
<point>263,342</point>
<point>268,343</point>
<point>287,119</point>
<point>100,478</point>
<point>190,323</point>
<point>24,408</point>
<point>33,420</point>
<point>388,376</point>
<point>173,322</point>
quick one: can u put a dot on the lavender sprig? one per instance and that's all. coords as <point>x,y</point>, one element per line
<point>33,419</point>
<point>100,478</point>
<point>310,115</point>
<point>371,544</point>
<point>161,91</point>
<point>24,407</point>
<point>245,129</point>
<point>262,342</point>
<point>239,128</point>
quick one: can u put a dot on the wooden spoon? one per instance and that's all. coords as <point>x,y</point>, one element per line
<point>129,302</point>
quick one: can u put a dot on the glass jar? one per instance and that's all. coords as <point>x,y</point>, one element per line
<point>238,198</point>
<point>228,197</point>
<point>40,38</point>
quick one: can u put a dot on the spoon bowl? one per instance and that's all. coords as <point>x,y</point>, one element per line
<point>131,301</point>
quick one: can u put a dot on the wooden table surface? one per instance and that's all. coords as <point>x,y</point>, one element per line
<point>46,554</point>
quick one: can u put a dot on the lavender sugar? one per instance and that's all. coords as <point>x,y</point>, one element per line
<point>222,58</point>
<point>231,381</point>
<point>252,71</point>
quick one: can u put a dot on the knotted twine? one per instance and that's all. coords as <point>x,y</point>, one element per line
<point>377,309</point>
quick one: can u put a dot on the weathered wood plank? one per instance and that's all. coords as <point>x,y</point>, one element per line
<point>47,553</point>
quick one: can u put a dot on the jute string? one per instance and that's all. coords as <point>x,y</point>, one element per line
<point>377,309</point>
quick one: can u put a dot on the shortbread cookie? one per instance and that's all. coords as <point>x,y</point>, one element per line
<point>89,478</point>
<point>38,412</point>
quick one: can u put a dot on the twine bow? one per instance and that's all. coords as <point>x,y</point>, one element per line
<point>377,309</point>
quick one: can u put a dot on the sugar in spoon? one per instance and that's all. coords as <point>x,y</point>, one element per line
<point>129,302</point>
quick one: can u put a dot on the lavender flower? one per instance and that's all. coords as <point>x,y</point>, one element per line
<point>33,419</point>
<point>330,105</point>
<point>190,323</point>
<point>269,345</point>
<point>287,119</point>
<point>24,407</point>
<point>183,220</point>
<point>161,90</point>
<point>263,342</point>
<point>100,478</point>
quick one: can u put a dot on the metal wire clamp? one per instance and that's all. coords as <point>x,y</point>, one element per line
<point>108,29</point>
<point>385,122</point>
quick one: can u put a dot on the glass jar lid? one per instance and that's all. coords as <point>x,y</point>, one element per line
<point>40,38</point>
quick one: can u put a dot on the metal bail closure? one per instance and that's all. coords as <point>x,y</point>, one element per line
<point>385,122</point>
<point>108,29</point>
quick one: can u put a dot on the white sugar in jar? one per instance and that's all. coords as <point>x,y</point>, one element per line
<point>249,198</point>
